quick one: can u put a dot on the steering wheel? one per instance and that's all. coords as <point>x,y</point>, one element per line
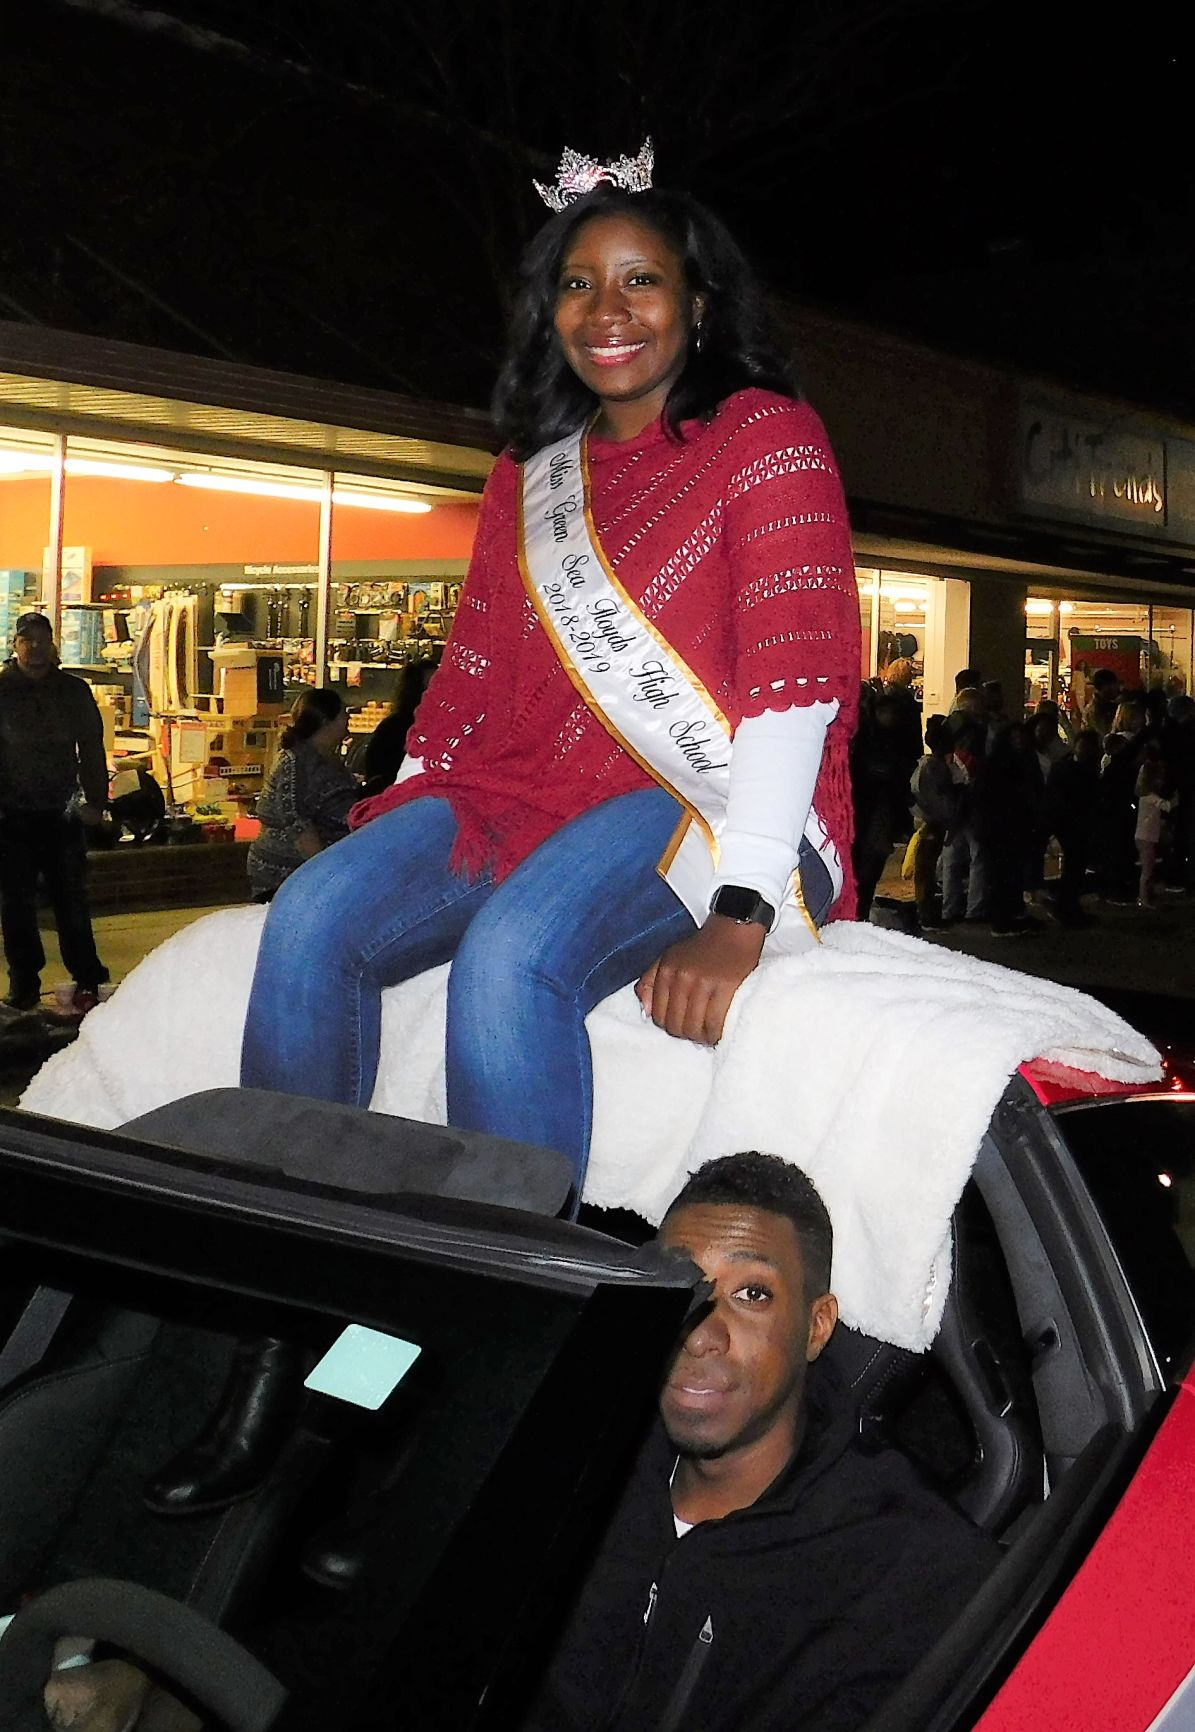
<point>175,1642</point>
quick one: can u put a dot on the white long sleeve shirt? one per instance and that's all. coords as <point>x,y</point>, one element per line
<point>773,772</point>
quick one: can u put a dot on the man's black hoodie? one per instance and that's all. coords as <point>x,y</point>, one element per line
<point>799,1614</point>
<point>51,742</point>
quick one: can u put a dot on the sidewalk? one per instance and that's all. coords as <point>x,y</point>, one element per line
<point>1126,949</point>
<point>122,941</point>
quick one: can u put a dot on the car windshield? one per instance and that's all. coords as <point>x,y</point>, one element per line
<point>1138,1159</point>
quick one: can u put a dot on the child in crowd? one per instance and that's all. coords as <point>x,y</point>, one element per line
<point>1151,807</point>
<point>939,798</point>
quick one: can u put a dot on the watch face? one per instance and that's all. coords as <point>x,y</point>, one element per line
<point>737,903</point>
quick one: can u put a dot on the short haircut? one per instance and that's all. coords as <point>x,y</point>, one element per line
<point>966,677</point>
<point>936,733</point>
<point>755,1181</point>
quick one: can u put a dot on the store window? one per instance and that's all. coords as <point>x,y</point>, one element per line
<point>924,620</point>
<point>26,463</point>
<point>893,608</point>
<point>399,558</point>
<point>869,590</point>
<point>1068,637</point>
<point>904,602</point>
<point>199,596</point>
<point>1041,650</point>
<point>188,601</point>
<point>1172,636</point>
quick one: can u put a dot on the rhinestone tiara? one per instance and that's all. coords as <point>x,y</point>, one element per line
<point>578,175</point>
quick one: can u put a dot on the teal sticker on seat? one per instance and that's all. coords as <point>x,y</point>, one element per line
<point>363,1366</point>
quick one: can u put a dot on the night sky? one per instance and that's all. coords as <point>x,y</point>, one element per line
<point>341,187</point>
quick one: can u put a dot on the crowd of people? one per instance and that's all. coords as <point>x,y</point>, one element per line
<point>989,800</point>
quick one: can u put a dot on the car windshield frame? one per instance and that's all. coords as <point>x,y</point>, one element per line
<point>1116,1171</point>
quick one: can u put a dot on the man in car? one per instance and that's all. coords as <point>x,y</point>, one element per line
<point>761,1573</point>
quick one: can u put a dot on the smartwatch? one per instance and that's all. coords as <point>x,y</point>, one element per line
<point>745,906</point>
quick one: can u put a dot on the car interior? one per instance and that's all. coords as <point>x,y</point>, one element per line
<point>128,1271</point>
<point>1060,1385</point>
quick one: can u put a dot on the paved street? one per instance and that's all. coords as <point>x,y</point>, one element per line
<point>1133,949</point>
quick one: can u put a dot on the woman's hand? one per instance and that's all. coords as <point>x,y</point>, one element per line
<point>688,991</point>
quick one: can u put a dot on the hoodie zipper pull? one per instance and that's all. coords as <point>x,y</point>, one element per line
<point>652,1597</point>
<point>682,1696</point>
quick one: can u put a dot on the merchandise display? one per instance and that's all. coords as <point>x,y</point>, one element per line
<point>380,627</point>
<point>200,594</point>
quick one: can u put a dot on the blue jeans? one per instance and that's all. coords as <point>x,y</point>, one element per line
<point>585,914</point>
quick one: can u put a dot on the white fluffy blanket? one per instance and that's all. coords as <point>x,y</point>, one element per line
<point>874,1063</point>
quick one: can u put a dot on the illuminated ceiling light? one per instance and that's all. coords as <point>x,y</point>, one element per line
<point>117,471</point>
<point>307,493</point>
<point>379,501</point>
<point>1165,1180</point>
<point>1066,607</point>
<point>246,484</point>
<point>1039,607</point>
<point>17,462</point>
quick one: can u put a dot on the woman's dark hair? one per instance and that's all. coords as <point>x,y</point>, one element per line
<point>311,709</point>
<point>539,398</point>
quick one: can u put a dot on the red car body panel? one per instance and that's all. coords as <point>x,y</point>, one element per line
<point>1120,1642</point>
<point>1056,1084</point>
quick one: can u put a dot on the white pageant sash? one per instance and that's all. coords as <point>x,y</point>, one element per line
<point>629,676</point>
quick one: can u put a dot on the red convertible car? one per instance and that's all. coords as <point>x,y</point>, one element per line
<point>1055,1407</point>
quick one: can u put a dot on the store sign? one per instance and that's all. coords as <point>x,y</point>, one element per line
<point>282,571</point>
<point>1123,644</point>
<point>1093,471</point>
<point>230,770</point>
<point>75,586</point>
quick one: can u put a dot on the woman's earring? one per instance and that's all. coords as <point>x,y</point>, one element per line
<point>698,337</point>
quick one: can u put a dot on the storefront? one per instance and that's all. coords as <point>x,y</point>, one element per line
<point>209,537</point>
<point>1005,524</point>
<point>1145,644</point>
<point>916,617</point>
<point>199,581</point>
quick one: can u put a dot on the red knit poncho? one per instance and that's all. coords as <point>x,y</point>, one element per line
<point>734,543</point>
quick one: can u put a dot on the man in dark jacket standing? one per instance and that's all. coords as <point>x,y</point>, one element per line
<point>51,747</point>
<point>761,1574</point>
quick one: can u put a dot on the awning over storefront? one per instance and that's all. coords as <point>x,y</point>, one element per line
<point>63,382</point>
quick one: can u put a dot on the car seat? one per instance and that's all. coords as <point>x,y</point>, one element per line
<point>977,1437</point>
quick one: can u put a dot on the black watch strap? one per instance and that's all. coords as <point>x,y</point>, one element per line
<point>736,902</point>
